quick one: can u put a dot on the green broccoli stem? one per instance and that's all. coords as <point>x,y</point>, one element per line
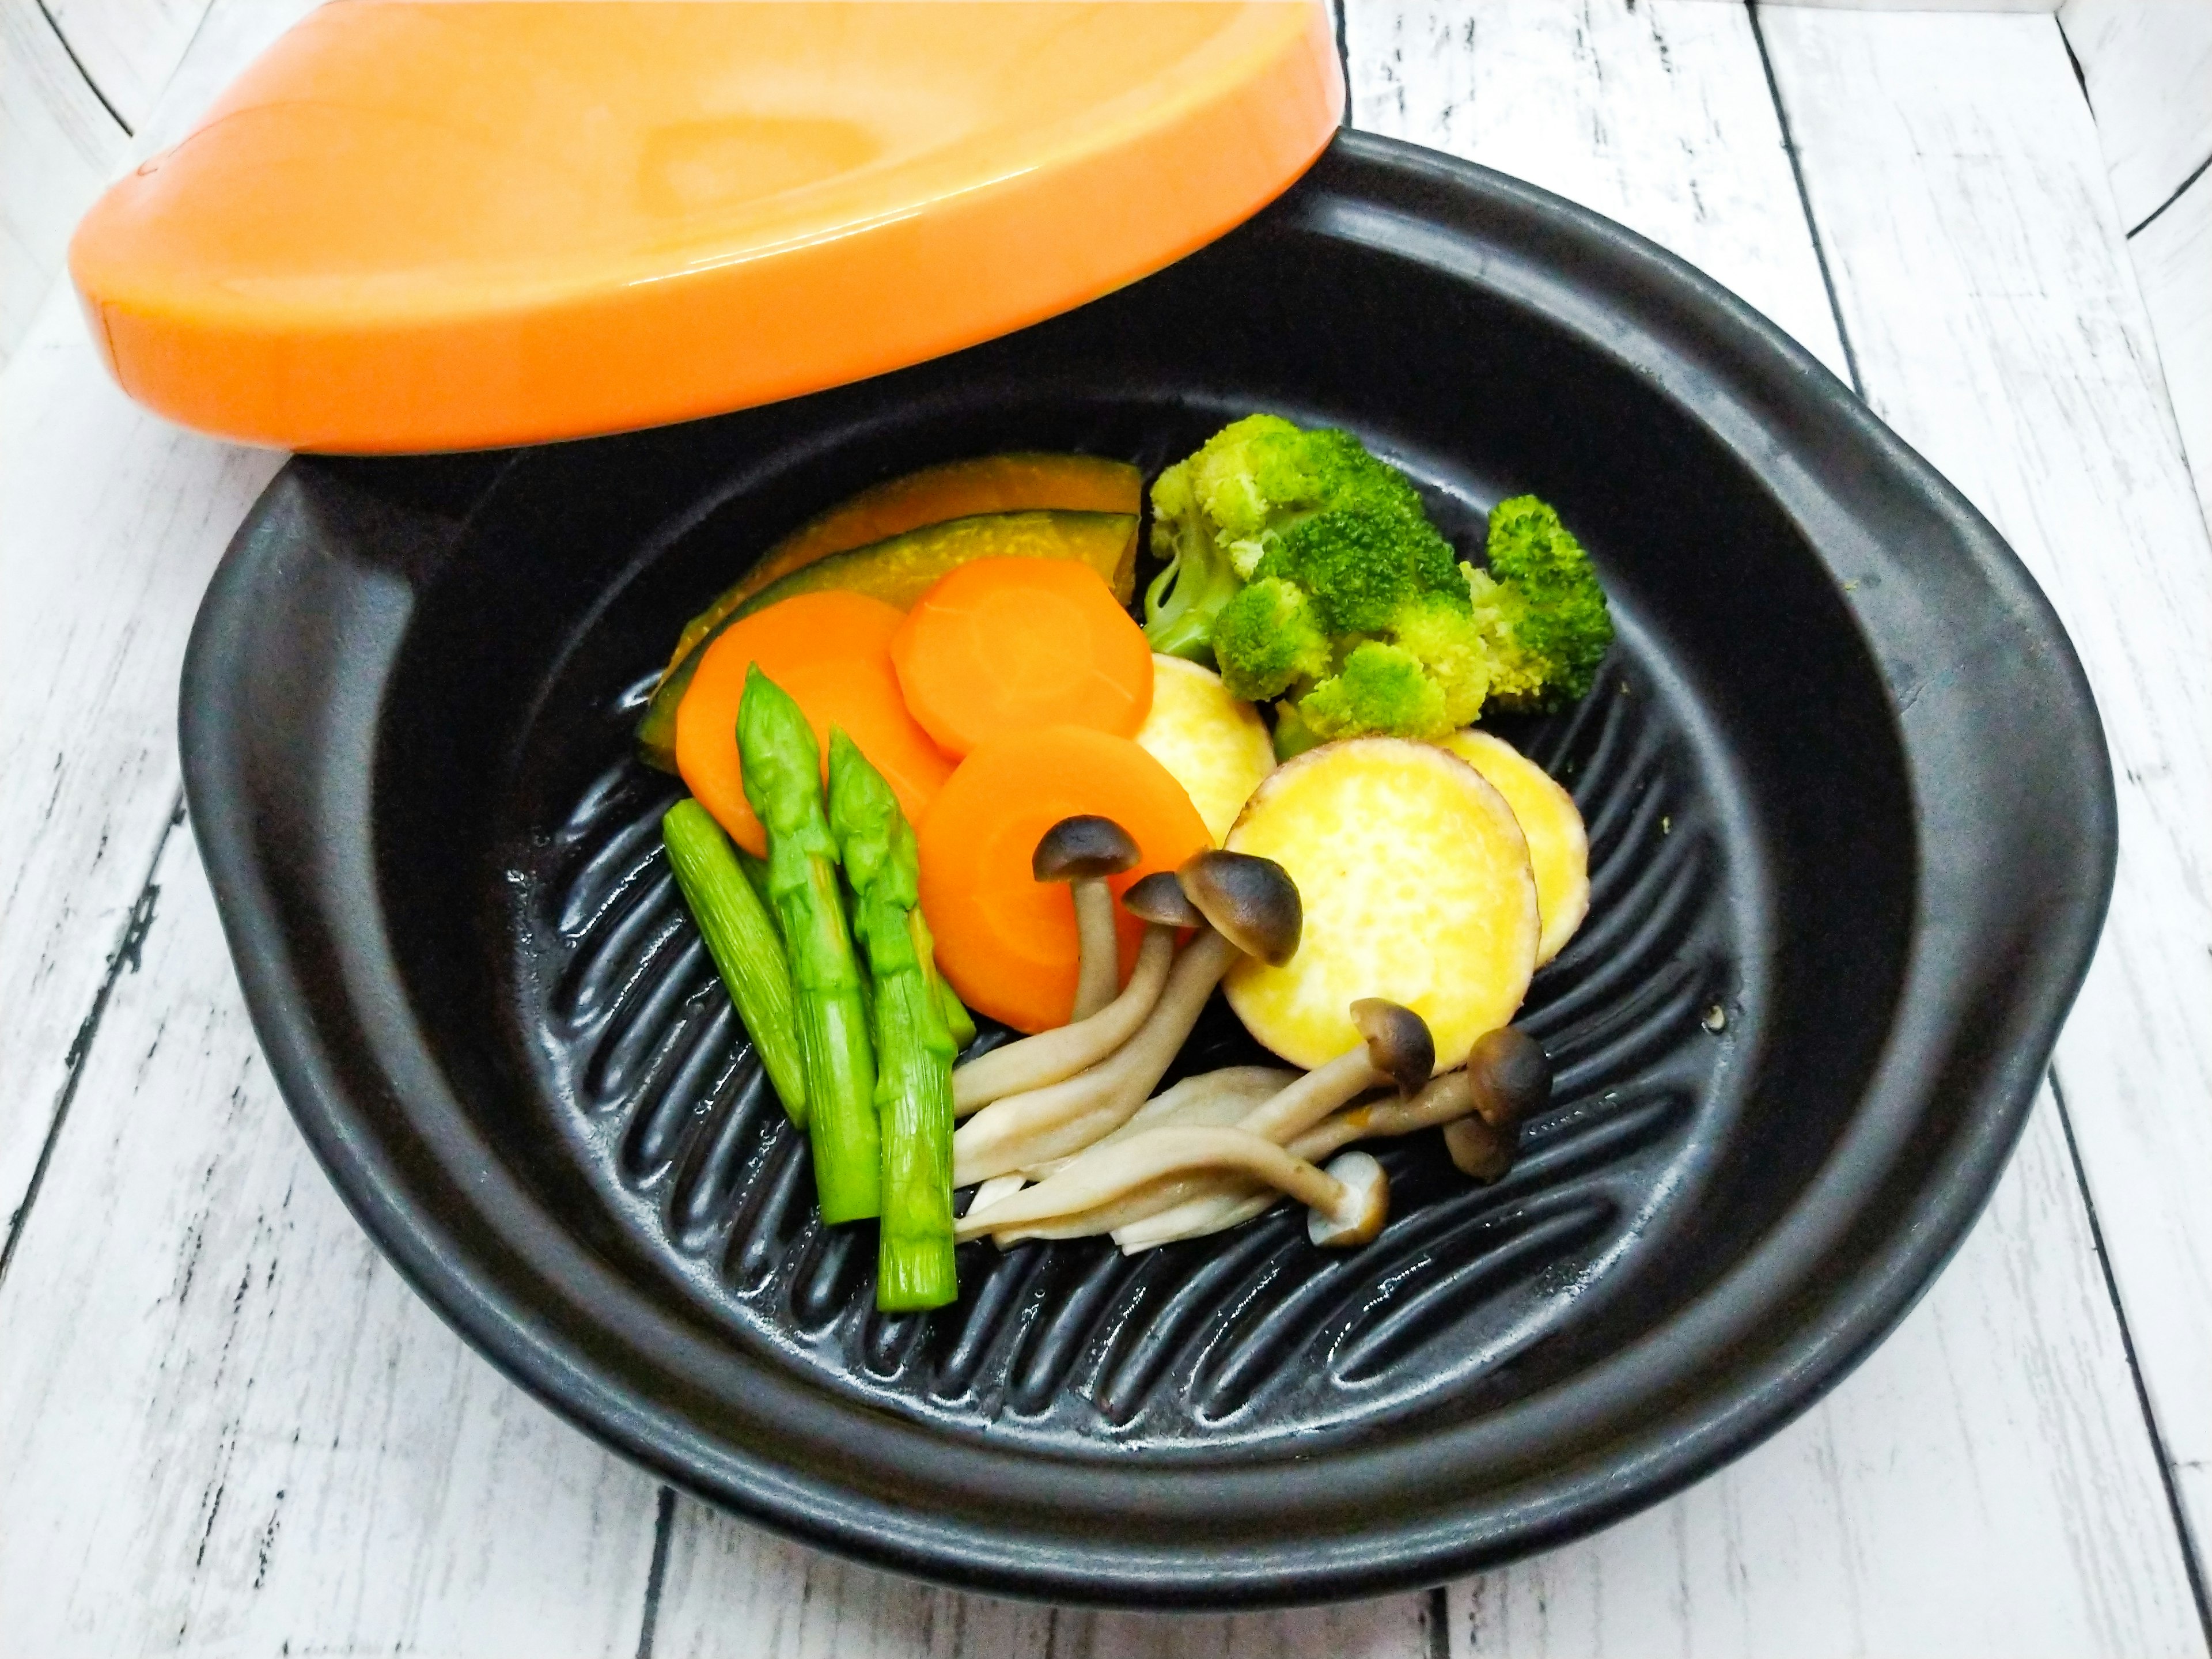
<point>783,782</point>
<point>914,1050</point>
<point>743,940</point>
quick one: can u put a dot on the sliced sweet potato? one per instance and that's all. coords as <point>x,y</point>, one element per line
<point>1216,744</point>
<point>1417,888</point>
<point>1558,846</point>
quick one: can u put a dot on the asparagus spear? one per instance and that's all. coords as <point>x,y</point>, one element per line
<point>913,1048</point>
<point>783,782</point>
<point>742,937</point>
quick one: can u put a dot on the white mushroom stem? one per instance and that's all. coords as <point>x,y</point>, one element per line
<point>992,1191</point>
<point>1039,1125</point>
<point>1098,947</point>
<point>1228,1201</point>
<point>1346,1210</point>
<point>1049,1056</point>
<point>1210,1100</point>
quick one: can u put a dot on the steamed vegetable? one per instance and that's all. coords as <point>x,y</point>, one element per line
<point>955,489</point>
<point>1215,746</point>
<point>913,1049</point>
<point>1006,942</point>
<point>742,937</point>
<point>1558,846</point>
<point>1000,646</point>
<point>1307,568</point>
<point>831,653</point>
<point>783,782</point>
<point>1541,610</point>
<point>1417,887</point>
<point>899,572</point>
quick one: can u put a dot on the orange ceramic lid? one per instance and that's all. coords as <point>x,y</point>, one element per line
<point>443,224</point>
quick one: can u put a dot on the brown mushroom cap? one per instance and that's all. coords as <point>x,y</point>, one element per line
<point>1510,1077</point>
<point>1399,1044</point>
<point>1159,898</point>
<point>1252,902</point>
<point>1083,846</point>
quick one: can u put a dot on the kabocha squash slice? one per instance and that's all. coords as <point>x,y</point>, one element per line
<point>1417,888</point>
<point>955,490</point>
<point>898,571</point>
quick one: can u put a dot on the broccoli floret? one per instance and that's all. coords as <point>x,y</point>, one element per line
<point>1540,607</point>
<point>1268,638</point>
<point>1308,570</point>
<point>1218,513</point>
<point>1382,688</point>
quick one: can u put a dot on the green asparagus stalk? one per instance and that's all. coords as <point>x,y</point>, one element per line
<point>913,1048</point>
<point>783,782</point>
<point>742,937</point>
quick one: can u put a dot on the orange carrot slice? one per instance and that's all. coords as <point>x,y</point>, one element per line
<point>1000,646</point>
<point>831,652</point>
<point>1006,940</point>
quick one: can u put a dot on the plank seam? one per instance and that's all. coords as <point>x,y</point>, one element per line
<point>2179,190</point>
<point>1343,57</point>
<point>1805,200</point>
<point>127,954</point>
<point>1439,1623</point>
<point>656,1575</point>
<point>2190,1565</point>
<point>84,74</point>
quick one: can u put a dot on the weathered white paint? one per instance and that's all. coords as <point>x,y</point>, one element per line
<point>1954,173</point>
<point>2172,258</point>
<point>2148,65</point>
<point>128,48</point>
<point>57,147</point>
<point>112,521</point>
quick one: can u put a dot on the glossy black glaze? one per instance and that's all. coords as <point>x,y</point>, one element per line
<point>1852,830</point>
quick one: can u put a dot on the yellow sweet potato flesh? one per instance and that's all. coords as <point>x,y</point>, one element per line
<point>1417,887</point>
<point>1215,746</point>
<point>1558,846</point>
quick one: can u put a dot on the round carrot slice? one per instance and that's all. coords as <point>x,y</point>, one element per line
<point>1000,646</point>
<point>831,652</point>
<point>1006,940</point>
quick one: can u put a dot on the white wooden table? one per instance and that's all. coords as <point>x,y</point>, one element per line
<point>226,1426</point>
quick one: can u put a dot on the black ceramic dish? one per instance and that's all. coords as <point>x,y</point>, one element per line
<point>1852,832</point>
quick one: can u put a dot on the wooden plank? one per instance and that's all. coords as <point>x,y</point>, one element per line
<point>128,48</point>
<point>1656,115</point>
<point>733,1592</point>
<point>2172,258</point>
<point>1901,1515</point>
<point>2147,66</point>
<point>226,1425</point>
<point>1984,284</point>
<point>60,146</point>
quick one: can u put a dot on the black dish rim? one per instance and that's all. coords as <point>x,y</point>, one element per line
<point>1879,1233</point>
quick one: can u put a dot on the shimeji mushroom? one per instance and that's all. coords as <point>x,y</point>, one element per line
<point>1345,1204</point>
<point>1249,907</point>
<point>1305,1112</point>
<point>1049,1056</point>
<point>1084,852</point>
<point>1509,1080</point>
